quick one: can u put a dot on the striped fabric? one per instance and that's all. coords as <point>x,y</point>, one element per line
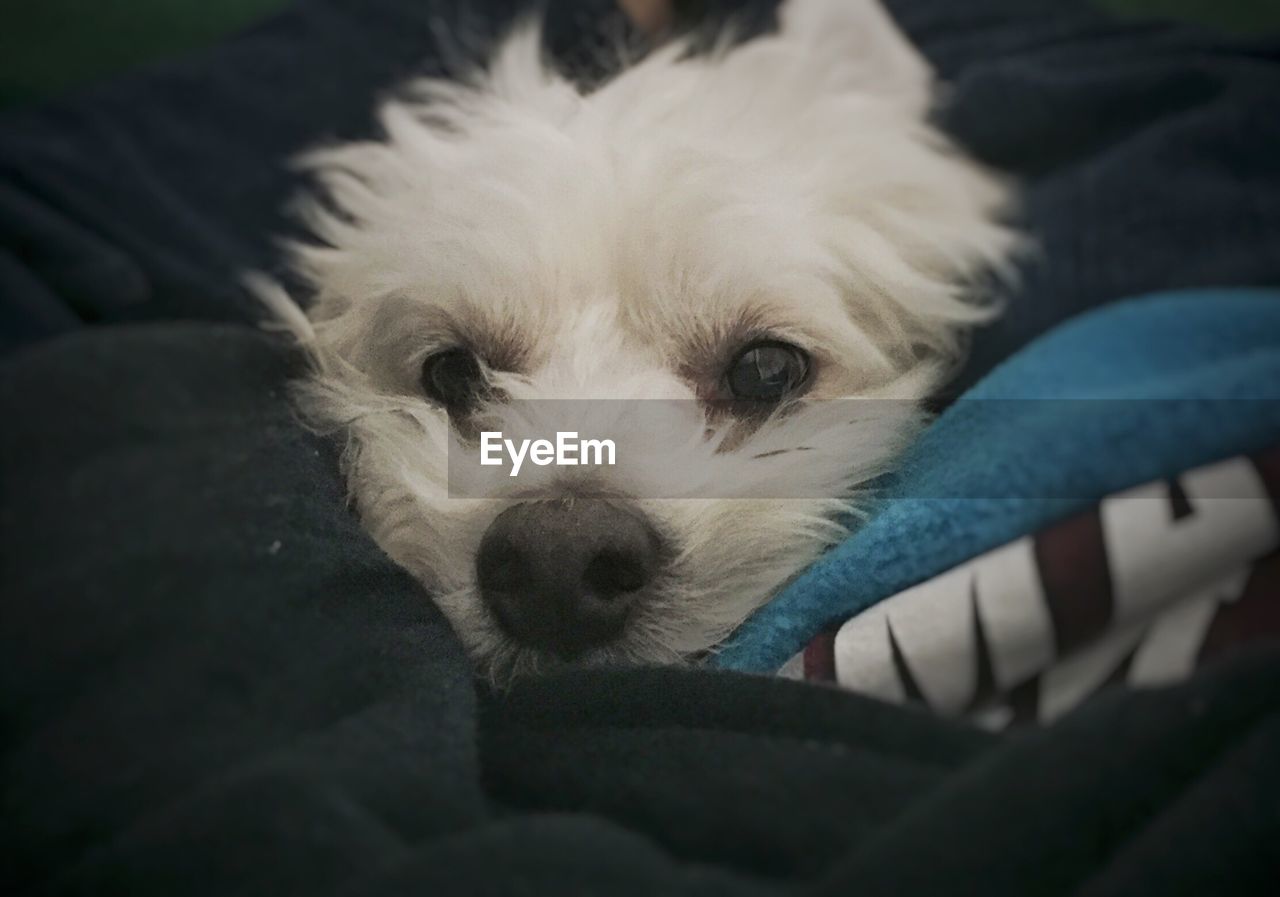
<point>1140,590</point>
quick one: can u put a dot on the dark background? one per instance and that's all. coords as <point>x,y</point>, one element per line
<point>56,44</point>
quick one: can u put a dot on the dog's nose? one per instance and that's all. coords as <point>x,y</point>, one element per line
<point>564,576</point>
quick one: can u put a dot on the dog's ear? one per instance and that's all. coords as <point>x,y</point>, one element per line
<point>858,47</point>
<point>520,72</point>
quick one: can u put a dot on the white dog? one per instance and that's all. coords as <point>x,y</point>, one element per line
<point>742,233</point>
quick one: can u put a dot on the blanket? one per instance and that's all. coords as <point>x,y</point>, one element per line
<point>1142,391</point>
<point>1141,590</point>
<point>211,682</point>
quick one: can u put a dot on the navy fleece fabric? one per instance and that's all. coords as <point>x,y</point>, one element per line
<point>1136,392</point>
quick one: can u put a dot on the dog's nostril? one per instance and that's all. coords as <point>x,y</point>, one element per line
<point>566,576</point>
<point>505,567</point>
<point>613,573</point>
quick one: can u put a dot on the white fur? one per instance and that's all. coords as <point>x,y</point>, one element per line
<point>618,240</point>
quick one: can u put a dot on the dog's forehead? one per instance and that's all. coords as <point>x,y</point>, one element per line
<point>671,241</point>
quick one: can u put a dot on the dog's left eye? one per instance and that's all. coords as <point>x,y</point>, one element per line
<point>767,371</point>
<point>453,378</point>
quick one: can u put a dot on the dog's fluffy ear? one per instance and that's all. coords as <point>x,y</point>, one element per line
<point>520,74</point>
<point>860,47</point>
<point>517,77</point>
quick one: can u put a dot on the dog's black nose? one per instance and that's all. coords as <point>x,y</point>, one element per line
<point>564,576</point>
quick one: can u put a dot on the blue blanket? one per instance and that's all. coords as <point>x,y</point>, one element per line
<point>1136,392</point>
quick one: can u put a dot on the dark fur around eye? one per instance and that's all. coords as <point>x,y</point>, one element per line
<point>767,371</point>
<point>453,377</point>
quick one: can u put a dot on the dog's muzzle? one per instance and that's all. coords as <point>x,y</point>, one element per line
<point>564,576</point>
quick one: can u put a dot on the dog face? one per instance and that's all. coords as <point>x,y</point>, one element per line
<point>743,235</point>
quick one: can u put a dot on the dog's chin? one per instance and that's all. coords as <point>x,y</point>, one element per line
<point>508,662</point>
<point>500,659</point>
<point>503,661</point>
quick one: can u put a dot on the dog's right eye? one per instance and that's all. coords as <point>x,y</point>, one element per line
<point>453,378</point>
<point>767,371</point>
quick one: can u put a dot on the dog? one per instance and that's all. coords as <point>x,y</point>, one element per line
<point>770,236</point>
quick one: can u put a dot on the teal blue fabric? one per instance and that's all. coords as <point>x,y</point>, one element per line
<point>1135,392</point>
